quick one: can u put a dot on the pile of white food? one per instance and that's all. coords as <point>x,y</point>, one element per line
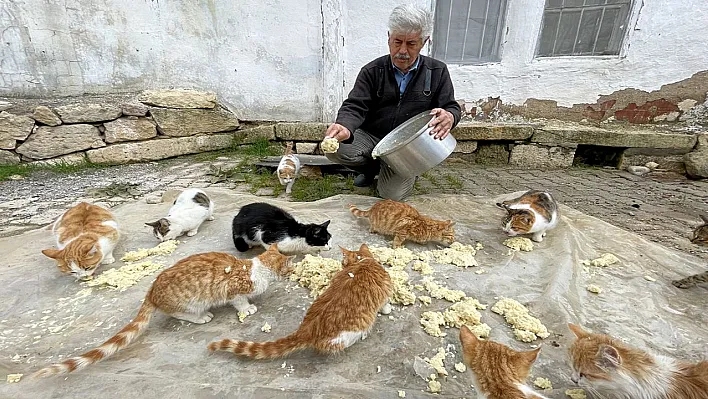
<point>315,273</point>
<point>124,277</point>
<point>526,327</point>
<point>329,145</point>
<point>164,248</point>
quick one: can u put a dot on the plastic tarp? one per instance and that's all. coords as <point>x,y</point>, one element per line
<point>46,316</point>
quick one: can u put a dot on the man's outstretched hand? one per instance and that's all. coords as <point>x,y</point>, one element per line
<point>338,132</point>
<point>441,124</point>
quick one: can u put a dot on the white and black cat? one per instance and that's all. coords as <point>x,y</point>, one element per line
<point>264,224</point>
<point>191,208</point>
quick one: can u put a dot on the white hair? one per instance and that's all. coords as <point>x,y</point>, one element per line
<point>407,19</point>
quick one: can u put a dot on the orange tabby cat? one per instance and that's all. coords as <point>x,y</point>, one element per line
<point>611,369</point>
<point>499,372</point>
<point>342,315</point>
<point>86,235</point>
<point>404,222</point>
<point>187,291</point>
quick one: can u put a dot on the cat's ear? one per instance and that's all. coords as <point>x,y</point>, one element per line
<point>92,251</point>
<point>579,332</point>
<point>467,337</point>
<point>153,224</point>
<point>365,249</point>
<point>503,205</point>
<point>325,224</point>
<point>608,357</point>
<point>451,223</point>
<point>51,253</point>
<point>530,356</point>
<point>273,247</point>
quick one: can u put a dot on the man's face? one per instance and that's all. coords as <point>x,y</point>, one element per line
<point>404,49</point>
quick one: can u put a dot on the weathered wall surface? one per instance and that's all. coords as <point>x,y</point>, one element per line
<point>262,58</point>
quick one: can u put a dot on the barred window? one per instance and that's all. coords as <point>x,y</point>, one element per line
<point>583,27</point>
<point>468,31</point>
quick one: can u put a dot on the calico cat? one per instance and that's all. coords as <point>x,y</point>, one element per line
<point>690,281</point>
<point>404,222</point>
<point>535,212</point>
<point>610,369</point>
<point>700,234</point>
<point>187,291</point>
<point>338,318</point>
<point>288,168</point>
<point>264,224</point>
<point>499,372</point>
<point>86,235</point>
<point>191,208</point>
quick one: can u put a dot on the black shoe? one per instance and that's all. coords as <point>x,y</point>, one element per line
<point>364,180</point>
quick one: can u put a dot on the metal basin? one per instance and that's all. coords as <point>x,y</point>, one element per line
<point>410,150</point>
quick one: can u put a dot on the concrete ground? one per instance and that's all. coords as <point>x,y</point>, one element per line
<point>662,207</point>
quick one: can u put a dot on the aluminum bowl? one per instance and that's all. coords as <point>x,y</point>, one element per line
<point>410,150</point>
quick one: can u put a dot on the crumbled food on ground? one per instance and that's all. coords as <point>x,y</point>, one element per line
<point>401,394</point>
<point>431,322</point>
<point>456,254</point>
<point>423,267</point>
<point>164,248</point>
<point>265,328</point>
<point>425,300</point>
<point>479,246</point>
<point>605,260</point>
<point>438,362</point>
<point>481,330</point>
<point>543,383</point>
<point>480,271</point>
<point>594,288</point>
<point>12,378</point>
<point>242,316</point>
<point>463,313</point>
<point>397,258</point>
<point>526,327</point>
<point>436,291</point>
<point>315,273</point>
<point>124,277</point>
<point>402,290</point>
<point>460,367</point>
<point>519,244</point>
<point>434,385</point>
<point>575,394</point>
<point>649,278</point>
<point>329,145</point>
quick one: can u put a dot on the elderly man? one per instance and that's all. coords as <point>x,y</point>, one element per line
<point>388,91</point>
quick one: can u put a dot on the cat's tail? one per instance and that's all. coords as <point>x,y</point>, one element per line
<point>358,212</point>
<point>119,341</point>
<point>289,148</point>
<point>261,350</point>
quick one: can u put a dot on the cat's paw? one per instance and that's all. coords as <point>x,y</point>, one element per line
<point>206,317</point>
<point>191,233</point>
<point>210,218</point>
<point>537,237</point>
<point>108,260</point>
<point>386,309</point>
<point>250,309</point>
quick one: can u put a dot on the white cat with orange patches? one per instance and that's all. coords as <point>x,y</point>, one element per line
<point>86,235</point>
<point>608,369</point>
<point>499,372</point>
<point>339,317</point>
<point>187,291</point>
<point>534,212</point>
<point>288,168</point>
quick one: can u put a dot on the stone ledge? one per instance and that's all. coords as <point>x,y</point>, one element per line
<point>492,131</point>
<point>153,150</point>
<point>574,134</point>
<point>301,131</point>
<point>255,134</point>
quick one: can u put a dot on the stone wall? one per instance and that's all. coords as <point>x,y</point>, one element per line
<point>162,124</point>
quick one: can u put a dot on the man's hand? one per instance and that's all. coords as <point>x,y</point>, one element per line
<point>338,132</point>
<point>441,124</point>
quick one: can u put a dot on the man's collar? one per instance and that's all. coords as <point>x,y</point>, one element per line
<point>412,68</point>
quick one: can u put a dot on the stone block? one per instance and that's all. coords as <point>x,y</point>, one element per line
<point>13,128</point>
<point>130,128</point>
<point>8,158</point>
<point>189,122</point>
<point>134,109</point>
<point>305,148</point>
<point>70,159</point>
<point>697,164</point>
<point>465,147</point>
<point>87,113</point>
<point>152,150</point>
<point>492,154</point>
<point>565,134</point>
<point>257,133</point>
<point>45,115</point>
<point>301,131</point>
<point>178,98</point>
<point>52,141</point>
<point>492,131</point>
<point>534,156</point>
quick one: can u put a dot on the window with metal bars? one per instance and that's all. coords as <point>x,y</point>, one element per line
<point>468,31</point>
<point>583,27</point>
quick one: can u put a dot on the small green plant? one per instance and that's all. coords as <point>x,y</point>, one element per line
<point>261,148</point>
<point>454,181</point>
<point>6,171</point>
<point>313,189</point>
